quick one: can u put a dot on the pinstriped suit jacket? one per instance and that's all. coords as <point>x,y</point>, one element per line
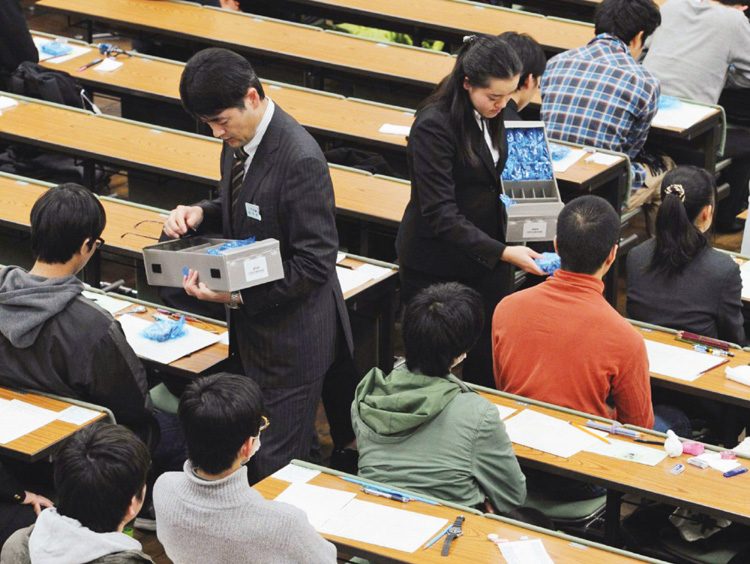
<point>286,332</point>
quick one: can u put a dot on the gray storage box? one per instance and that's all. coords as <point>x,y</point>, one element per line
<point>232,270</point>
<point>528,179</point>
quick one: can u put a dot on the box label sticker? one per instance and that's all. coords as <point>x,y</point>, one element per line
<point>532,229</point>
<point>255,268</point>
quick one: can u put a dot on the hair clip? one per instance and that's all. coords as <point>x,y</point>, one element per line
<point>675,190</point>
<point>470,38</point>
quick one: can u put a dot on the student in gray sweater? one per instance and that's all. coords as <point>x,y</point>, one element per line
<point>208,512</point>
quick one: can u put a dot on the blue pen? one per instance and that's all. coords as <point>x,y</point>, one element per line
<point>387,490</point>
<point>437,537</point>
<point>393,496</point>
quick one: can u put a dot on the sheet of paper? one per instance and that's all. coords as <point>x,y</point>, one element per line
<point>224,338</point>
<point>525,552</point>
<point>18,418</point>
<point>112,305</point>
<point>108,65</point>
<point>77,51</point>
<point>744,271</point>
<point>340,256</point>
<point>676,362</point>
<point>350,279</point>
<point>631,452</point>
<point>77,415</point>
<point>604,159</point>
<point>295,474</point>
<point>505,411</point>
<point>683,117</point>
<point>320,504</point>
<point>715,461</point>
<point>168,351</point>
<point>6,102</point>
<point>569,160</point>
<point>549,434</point>
<point>389,128</point>
<point>383,526</point>
<point>373,271</point>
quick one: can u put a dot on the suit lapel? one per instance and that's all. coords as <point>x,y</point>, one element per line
<point>263,160</point>
<point>486,155</point>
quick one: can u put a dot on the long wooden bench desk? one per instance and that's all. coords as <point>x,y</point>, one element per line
<point>702,490</point>
<point>472,546</point>
<point>310,47</point>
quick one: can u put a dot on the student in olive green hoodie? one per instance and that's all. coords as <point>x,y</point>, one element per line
<point>423,429</point>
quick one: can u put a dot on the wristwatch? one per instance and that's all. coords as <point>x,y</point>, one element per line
<point>235,299</point>
<point>453,533</point>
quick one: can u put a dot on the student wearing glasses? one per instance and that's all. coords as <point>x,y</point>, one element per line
<point>208,512</point>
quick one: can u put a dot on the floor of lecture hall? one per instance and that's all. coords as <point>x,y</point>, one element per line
<point>56,24</point>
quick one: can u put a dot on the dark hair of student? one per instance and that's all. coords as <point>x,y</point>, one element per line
<point>531,54</point>
<point>215,80</point>
<point>678,240</point>
<point>441,323</point>
<point>587,229</point>
<point>480,59</point>
<point>97,472</point>
<point>62,219</point>
<point>626,18</point>
<point>218,413</point>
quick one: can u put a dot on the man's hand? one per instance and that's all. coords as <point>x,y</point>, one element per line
<point>37,501</point>
<point>201,291</point>
<point>523,258</point>
<point>181,219</point>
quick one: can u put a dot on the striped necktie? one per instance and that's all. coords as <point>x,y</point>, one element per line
<point>238,173</point>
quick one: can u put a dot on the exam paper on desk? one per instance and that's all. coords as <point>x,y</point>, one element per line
<point>319,504</point>
<point>680,363</point>
<point>549,434</point>
<point>745,274</point>
<point>168,351</point>
<point>18,418</point>
<point>632,452</point>
<point>295,474</point>
<point>525,552</point>
<point>683,117</point>
<point>505,411</point>
<point>110,304</point>
<point>349,279</point>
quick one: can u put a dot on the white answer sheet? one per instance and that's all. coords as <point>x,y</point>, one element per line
<point>18,418</point>
<point>525,552</point>
<point>320,504</point>
<point>112,305</point>
<point>676,362</point>
<point>295,474</point>
<point>504,411</point>
<point>549,434</point>
<point>168,351</point>
<point>354,278</point>
<point>683,117</point>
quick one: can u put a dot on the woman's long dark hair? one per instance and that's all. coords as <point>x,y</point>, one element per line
<point>685,191</point>
<point>480,59</point>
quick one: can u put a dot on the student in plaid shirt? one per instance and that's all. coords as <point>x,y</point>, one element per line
<point>598,95</point>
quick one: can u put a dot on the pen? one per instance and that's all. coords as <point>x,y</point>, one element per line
<point>437,537</point>
<point>386,490</point>
<point>647,442</point>
<point>614,429</point>
<point>585,430</point>
<point>89,65</point>
<point>393,496</point>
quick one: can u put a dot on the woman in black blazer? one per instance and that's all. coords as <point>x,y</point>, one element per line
<point>453,227</point>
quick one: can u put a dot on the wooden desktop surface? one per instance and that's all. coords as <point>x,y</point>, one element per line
<point>267,37</point>
<point>713,384</point>
<point>41,442</point>
<point>462,17</point>
<point>704,490</point>
<point>472,546</point>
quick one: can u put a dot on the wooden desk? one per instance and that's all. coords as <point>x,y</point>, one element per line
<point>304,45</point>
<point>45,440</point>
<point>704,490</point>
<point>450,19</point>
<point>473,546</point>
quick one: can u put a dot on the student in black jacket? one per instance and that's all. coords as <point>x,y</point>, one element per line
<point>18,507</point>
<point>16,45</point>
<point>453,227</point>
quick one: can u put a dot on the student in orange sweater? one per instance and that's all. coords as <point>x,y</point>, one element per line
<point>561,342</point>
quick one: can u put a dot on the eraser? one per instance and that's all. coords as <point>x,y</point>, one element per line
<point>697,462</point>
<point>728,455</point>
<point>691,447</point>
<point>677,469</point>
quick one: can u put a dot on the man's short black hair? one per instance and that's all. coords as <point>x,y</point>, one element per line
<point>218,413</point>
<point>441,323</point>
<point>62,219</point>
<point>97,472</point>
<point>587,229</point>
<point>532,55</point>
<point>626,18</point>
<point>215,80</point>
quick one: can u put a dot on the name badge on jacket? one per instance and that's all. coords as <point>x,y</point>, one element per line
<point>252,211</point>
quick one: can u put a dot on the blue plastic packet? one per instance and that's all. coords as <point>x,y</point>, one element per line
<point>558,152</point>
<point>231,245</point>
<point>56,48</point>
<point>528,158</point>
<point>669,103</point>
<point>549,262</point>
<point>507,200</point>
<point>163,330</point>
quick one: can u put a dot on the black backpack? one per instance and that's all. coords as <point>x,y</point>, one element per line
<point>36,81</point>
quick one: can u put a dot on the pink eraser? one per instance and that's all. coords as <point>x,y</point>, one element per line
<point>691,447</point>
<point>728,455</point>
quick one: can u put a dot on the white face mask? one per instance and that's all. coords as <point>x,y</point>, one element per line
<point>256,445</point>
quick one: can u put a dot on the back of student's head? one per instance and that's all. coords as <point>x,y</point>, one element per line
<point>218,413</point>
<point>587,229</point>
<point>215,80</point>
<point>97,472</point>
<point>685,192</point>
<point>531,54</point>
<point>441,323</point>
<point>626,18</point>
<point>62,219</point>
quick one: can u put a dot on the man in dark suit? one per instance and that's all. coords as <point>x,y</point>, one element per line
<point>275,183</point>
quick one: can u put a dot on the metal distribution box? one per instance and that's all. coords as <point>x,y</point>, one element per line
<point>231,270</point>
<point>528,179</point>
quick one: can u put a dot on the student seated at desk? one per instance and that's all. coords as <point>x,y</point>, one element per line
<point>533,63</point>
<point>676,279</point>
<point>420,427</point>
<point>208,512</point>
<point>100,480</point>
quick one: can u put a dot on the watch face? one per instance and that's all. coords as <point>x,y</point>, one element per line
<point>456,531</point>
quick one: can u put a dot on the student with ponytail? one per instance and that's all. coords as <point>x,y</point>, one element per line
<point>453,226</point>
<point>676,279</point>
